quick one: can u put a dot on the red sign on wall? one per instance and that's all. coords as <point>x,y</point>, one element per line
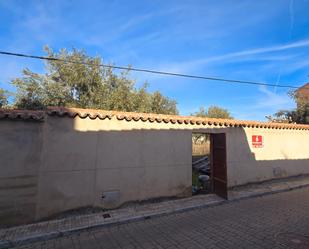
<point>257,141</point>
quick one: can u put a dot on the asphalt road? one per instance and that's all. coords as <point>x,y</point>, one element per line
<point>273,221</point>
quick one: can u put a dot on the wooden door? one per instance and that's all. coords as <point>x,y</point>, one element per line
<point>218,163</point>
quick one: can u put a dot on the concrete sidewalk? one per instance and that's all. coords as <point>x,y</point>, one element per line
<point>55,228</point>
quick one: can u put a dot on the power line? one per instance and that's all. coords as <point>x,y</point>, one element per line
<point>151,71</point>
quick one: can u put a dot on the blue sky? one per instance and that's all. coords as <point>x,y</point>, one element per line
<point>240,39</point>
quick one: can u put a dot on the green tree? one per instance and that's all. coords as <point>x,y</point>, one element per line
<point>300,115</point>
<point>282,116</point>
<point>213,112</point>
<point>85,84</point>
<point>161,104</point>
<point>3,98</point>
<point>142,100</point>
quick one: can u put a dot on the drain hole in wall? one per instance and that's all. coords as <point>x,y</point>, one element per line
<point>106,216</point>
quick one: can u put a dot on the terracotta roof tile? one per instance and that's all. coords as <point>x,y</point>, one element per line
<point>173,119</point>
<point>22,114</point>
<point>82,113</point>
<point>144,117</point>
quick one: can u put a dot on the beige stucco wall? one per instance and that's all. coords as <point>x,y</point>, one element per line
<point>20,159</point>
<point>65,163</point>
<point>284,153</point>
<point>84,159</point>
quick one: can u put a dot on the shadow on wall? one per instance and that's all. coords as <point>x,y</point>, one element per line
<point>109,162</point>
<point>20,160</point>
<point>280,154</point>
<point>89,164</point>
<point>66,163</point>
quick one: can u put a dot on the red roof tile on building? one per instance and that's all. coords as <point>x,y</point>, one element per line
<point>303,92</point>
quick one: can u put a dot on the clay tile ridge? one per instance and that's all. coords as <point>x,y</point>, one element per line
<point>82,113</point>
<point>14,114</point>
<point>162,118</point>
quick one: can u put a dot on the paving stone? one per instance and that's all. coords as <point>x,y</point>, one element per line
<point>256,218</point>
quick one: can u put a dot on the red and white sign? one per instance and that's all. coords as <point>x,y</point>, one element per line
<point>257,141</point>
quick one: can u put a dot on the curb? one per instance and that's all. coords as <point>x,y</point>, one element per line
<point>56,234</point>
<point>271,192</point>
<point>61,233</point>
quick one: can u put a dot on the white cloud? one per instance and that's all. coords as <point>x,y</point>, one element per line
<point>265,102</point>
<point>255,51</point>
<point>190,66</point>
<point>273,100</point>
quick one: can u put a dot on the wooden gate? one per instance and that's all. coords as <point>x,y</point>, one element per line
<point>218,159</point>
